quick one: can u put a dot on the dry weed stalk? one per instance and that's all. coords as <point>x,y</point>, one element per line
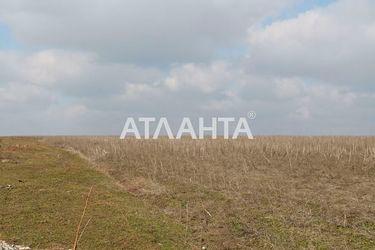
<point>78,234</point>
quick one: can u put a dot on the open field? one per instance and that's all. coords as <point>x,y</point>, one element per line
<point>272,192</point>
<point>47,189</point>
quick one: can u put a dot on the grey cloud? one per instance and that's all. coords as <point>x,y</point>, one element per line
<point>137,31</point>
<point>283,105</point>
<point>289,78</point>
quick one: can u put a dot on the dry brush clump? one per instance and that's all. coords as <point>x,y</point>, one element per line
<point>268,192</point>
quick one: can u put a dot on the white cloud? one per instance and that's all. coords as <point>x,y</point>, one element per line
<point>137,91</point>
<point>302,75</point>
<point>46,67</point>
<point>203,77</point>
<point>19,98</point>
<point>74,111</point>
<point>302,112</point>
<point>288,87</point>
<point>333,44</point>
<point>49,67</point>
<point>74,101</point>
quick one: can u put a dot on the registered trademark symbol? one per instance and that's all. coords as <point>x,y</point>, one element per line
<point>251,115</point>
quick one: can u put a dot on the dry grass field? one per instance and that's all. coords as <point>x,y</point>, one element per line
<point>271,192</point>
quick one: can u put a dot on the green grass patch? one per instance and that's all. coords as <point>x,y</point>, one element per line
<point>42,205</point>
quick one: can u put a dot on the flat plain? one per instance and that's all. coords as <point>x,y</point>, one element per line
<point>267,193</point>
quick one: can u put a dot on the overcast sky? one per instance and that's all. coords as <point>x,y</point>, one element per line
<point>82,66</point>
